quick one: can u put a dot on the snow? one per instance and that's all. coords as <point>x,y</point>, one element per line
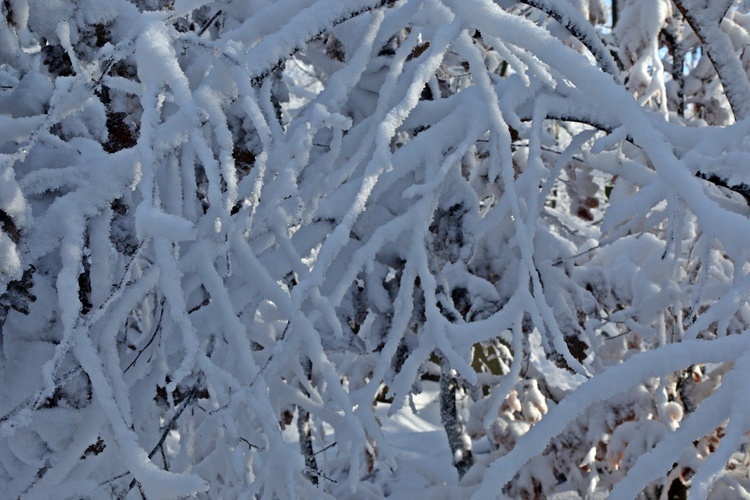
<point>640,23</point>
<point>615,380</point>
<point>219,219</point>
<point>152,223</point>
<point>11,263</point>
<point>422,455</point>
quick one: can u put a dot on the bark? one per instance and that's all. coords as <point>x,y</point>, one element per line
<point>616,8</point>
<point>304,427</point>
<point>673,37</point>
<point>458,439</point>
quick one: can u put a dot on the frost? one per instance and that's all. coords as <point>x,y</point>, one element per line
<point>639,25</point>
<point>371,248</point>
<point>151,223</point>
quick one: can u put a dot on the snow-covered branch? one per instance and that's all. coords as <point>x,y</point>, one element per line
<point>299,249</point>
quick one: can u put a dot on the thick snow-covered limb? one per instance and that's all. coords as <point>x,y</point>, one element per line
<point>713,468</point>
<point>525,233</point>
<point>705,19</point>
<point>385,132</point>
<point>601,89</point>
<point>308,336</point>
<point>501,391</point>
<point>152,223</point>
<point>565,14</point>
<point>273,50</point>
<point>20,415</point>
<point>365,185</point>
<point>70,304</point>
<point>606,385</point>
<point>84,437</point>
<point>156,482</point>
<point>169,281</point>
<point>725,402</point>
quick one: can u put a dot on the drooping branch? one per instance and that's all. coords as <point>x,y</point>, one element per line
<point>705,20</point>
<point>580,28</point>
<point>258,77</point>
<point>194,391</point>
<point>742,189</point>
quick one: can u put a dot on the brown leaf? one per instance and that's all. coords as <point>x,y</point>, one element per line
<point>418,50</point>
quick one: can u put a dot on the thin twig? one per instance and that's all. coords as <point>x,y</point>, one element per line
<point>564,259</point>
<point>181,408</point>
<point>308,470</point>
<point>119,476</point>
<point>251,445</point>
<point>107,66</point>
<point>157,329</point>
<point>326,448</point>
<point>210,22</point>
<point>168,426</point>
<point>260,372</point>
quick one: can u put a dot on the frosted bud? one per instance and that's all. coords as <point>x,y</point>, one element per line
<point>511,402</point>
<point>673,412</point>
<point>588,459</point>
<point>534,403</point>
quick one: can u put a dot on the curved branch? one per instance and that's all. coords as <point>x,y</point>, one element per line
<point>705,20</point>
<point>270,67</point>
<point>614,380</point>
<point>572,20</point>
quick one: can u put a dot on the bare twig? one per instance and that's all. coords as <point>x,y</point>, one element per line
<point>210,22</point>
<point>320,474</point>
<point>326,448</point>
<point>673,37</point>
<point>168,426</point>
<point>157,329</point>
<point>251,445</point>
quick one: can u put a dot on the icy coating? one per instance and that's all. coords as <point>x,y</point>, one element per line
<point>374,248</point>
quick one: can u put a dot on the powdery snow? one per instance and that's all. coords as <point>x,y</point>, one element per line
<point>367,249</point>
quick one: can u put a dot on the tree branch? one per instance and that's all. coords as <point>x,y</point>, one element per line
<point>458,439</point>
<point>673,36</point>
<point>168,426</point>
<point>304,427</point>
<point>705,20</point>
<point>580,28</point>
<point>257,80</point>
